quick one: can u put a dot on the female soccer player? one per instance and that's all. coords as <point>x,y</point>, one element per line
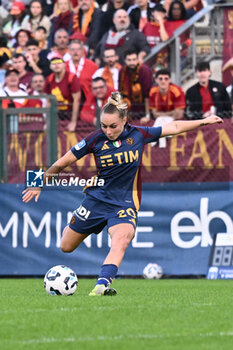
<point>118,148</point>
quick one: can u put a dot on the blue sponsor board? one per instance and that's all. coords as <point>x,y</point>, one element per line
<point>176,226</point>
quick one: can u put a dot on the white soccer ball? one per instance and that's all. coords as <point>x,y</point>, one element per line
<point>152,271</point>
<point>60,280</point>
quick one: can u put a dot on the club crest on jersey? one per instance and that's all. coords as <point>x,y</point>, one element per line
<point>130,141</point>
<point>105,146</point>
<point>72,221</point>
<point>117,144</point>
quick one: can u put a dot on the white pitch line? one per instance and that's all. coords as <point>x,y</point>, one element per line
<point>115,338</point>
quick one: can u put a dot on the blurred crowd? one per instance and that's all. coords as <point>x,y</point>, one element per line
<point>81,50</point>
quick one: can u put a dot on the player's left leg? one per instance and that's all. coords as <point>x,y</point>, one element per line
<point>121,235</point>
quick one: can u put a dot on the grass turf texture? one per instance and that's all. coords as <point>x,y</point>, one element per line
<point>146,314</point>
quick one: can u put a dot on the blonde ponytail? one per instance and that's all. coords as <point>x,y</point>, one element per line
<point>115,104</point>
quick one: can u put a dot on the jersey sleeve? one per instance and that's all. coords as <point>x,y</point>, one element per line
<point>150,134</point>
<point>80,149</point>
<point>84,146</point>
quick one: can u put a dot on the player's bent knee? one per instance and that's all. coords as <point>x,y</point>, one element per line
<point>66,248</point>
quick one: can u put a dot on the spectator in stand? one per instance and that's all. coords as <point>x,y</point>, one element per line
<point>87,20</point>
<point>19,63</point>
<point>81,66</point>
<point>37,17</point>
<point>207,97</point>
<point>191,6</point>
<point>11,88</point>
<point>74,4</point>
<point>135,82</point>
<point>38,85</point>
<point>140,13</point>
<point>97,98</point>
<point>112,7</point>
<point>156,30</point>
<point>61,41</point>
<point>65,86</point>
<point>40,35</point>
<point>166,98</point>
<point>18,21</point>
<point>160,29</point>
<point>177,15</point>
<point>63,20</point>
<point>123,37</point>
<point>21,39</point>
<point>36,61</point>
<point>110,72</point>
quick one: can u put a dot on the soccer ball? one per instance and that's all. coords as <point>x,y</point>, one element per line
<point>60,280</point>
<point>152,271</point>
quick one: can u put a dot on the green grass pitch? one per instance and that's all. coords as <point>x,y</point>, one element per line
<point>146,314</point>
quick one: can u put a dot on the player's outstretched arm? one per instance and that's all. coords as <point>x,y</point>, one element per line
<point>179,126</point>
<point>56,168</point>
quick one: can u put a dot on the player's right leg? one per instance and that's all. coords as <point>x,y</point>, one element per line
<point>121,235</point>
<point>71,239</point>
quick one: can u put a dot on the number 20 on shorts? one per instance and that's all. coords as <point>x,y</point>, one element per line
<point>128,212</point>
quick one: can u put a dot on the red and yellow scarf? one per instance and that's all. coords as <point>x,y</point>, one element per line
<point>86,22</point>
<point>130,86</point>
<point>107,75</point>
